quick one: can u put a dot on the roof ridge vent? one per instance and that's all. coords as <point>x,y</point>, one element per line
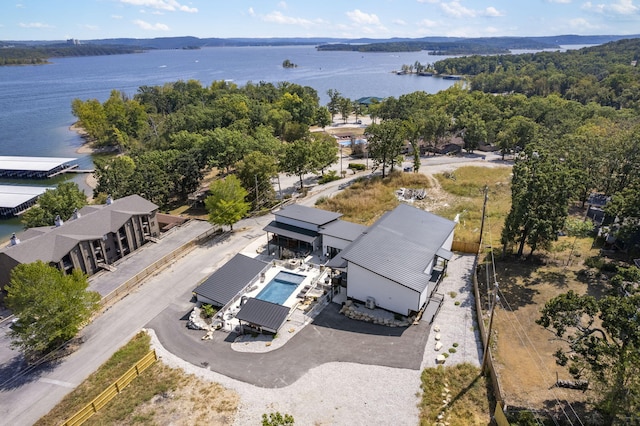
<point>76,214</point>
<point>14,241</point>
<point>109,200</point>
<point>58,221</point>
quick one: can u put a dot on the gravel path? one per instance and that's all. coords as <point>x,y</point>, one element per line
<point>332,394</point>
<point>456,323</point>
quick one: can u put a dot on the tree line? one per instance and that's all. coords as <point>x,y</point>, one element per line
<point>607,74</point>
<point>34,55</point>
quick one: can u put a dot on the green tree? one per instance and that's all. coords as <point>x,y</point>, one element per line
<point>49,305</point>
<point>114,176</point>
<point>226,205</point>
<point>475,131</point>
<point>602,340</point>
<point>385,142</point>
<point>324,149</point>
<point>61,201</point>
<point>255,172</point>
<point>334,102</point>
<point>298,159</point>
<point>540,190</point>
<point>345,106</point>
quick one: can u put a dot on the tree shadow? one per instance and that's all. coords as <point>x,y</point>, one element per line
<point>512,273</point>
<point>17,371</point>
<point>556,278</point>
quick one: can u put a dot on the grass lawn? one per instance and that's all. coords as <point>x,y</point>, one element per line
<point>467,392</point>
<point>160,395</point>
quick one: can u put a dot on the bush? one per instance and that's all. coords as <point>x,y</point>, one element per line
<point>330,176</point>
<point>277,419</point>
<point>357,166</point>
<point>208,311</point>
<point>452,350</point>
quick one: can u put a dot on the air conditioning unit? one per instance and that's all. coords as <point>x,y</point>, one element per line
<point>371,303</point>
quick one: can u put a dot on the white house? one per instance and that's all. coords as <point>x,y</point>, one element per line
<point>399,261</point>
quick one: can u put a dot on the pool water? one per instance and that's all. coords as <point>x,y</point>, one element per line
<point>280,287</point>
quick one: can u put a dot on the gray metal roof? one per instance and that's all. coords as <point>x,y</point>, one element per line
<point>265,314</point>
<point>224,284</point>
<point>400,245</point>
<point>307,214</point>
<point>39,164</point>
<point>51,243</point>
<point>342,229</point>
<point>12,196</point>
<point>291,231</point>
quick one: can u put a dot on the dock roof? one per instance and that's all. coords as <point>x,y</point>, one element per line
<point>35,164</point>
<point>11,196</point>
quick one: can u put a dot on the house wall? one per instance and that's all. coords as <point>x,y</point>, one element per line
<point>6,265</point>
<point>362,283</point>
<point>298,223</point>
<point>448,242</point>
<point>329,241</point>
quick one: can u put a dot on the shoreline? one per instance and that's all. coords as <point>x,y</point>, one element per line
<point>86,148</point>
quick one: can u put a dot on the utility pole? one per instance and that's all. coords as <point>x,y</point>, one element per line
<point>485,356</point>
<point>484,210</point>
<point>257,199</point>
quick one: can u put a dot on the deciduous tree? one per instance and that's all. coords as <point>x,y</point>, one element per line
<point>49,306</point>
<point>61,201</point>
<point>226,205</point>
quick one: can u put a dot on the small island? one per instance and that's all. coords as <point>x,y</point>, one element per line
<point>288,64</point>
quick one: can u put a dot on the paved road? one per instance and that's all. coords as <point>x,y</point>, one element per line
<point>169,290</point>
<point>331,337</point>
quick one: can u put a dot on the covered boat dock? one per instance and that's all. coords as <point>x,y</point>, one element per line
<point>15,199</point>
<point>14,167</point>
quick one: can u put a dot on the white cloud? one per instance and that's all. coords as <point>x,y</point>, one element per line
<point>34,25</point>
<point>492,11</point>
<point>560,1</point>
<point>279,18</point>
<point>116,17</point>
<point>620,7</point>
<point>282,5</point>
<point>457,10</point>
<point>359,17</point>
<point>251,12</point>
<point>169,5</point>
<point>20,6</point>
<point>399,22</point>
<point>428,1</point>
<point>150,27</point>
<point>90,27</point>
<point>427,23</point>
<point>581,23</point>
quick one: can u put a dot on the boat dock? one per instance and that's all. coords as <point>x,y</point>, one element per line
<point>16,167</point>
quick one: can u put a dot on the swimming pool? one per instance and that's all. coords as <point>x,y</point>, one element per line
<point>280,287</point>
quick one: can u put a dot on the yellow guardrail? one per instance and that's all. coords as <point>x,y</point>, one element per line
<point>112,390</point>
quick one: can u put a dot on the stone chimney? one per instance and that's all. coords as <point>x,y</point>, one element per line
<point>59,222</point>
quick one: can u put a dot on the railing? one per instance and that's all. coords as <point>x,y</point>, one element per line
<point>112,390</point>
<point>133,282</point>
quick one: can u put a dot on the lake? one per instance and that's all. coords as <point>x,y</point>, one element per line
<point>35,106</point>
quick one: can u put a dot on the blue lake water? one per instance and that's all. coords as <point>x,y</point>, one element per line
<point>35,101</point>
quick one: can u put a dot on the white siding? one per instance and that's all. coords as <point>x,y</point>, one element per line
<point>298,223</point>
<point>362,283</point>
<point>448,242</point>
<point>329,241</point>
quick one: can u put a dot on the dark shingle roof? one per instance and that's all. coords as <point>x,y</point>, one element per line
<point>342,229</point>
<point>52,243</point>
<point>308,214</point>
<point>400,245</point>
<point>224,284</point>
<point>265,314</point>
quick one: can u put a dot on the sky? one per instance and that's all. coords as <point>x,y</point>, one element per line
<point>96,19</point>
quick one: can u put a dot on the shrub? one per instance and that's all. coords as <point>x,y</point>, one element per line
<point>453,294</point>
<point>452,350</point>
<point>208,311</point>
<point>455,345</point>
<point>357,166</point>
<point>277,419</point>
<point>330,176</point>
<point>457,303</point>
<point>578,227</point>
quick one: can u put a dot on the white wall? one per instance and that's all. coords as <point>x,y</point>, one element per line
<point>329,241</point>
<point>298,223</point>
<point>362,283</point>
<point>448,242</point>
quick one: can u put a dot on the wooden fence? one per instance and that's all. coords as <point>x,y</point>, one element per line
<point>112,390</point>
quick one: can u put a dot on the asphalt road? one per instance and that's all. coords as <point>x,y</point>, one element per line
<point>27,396</point>
<point>331,337</point>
